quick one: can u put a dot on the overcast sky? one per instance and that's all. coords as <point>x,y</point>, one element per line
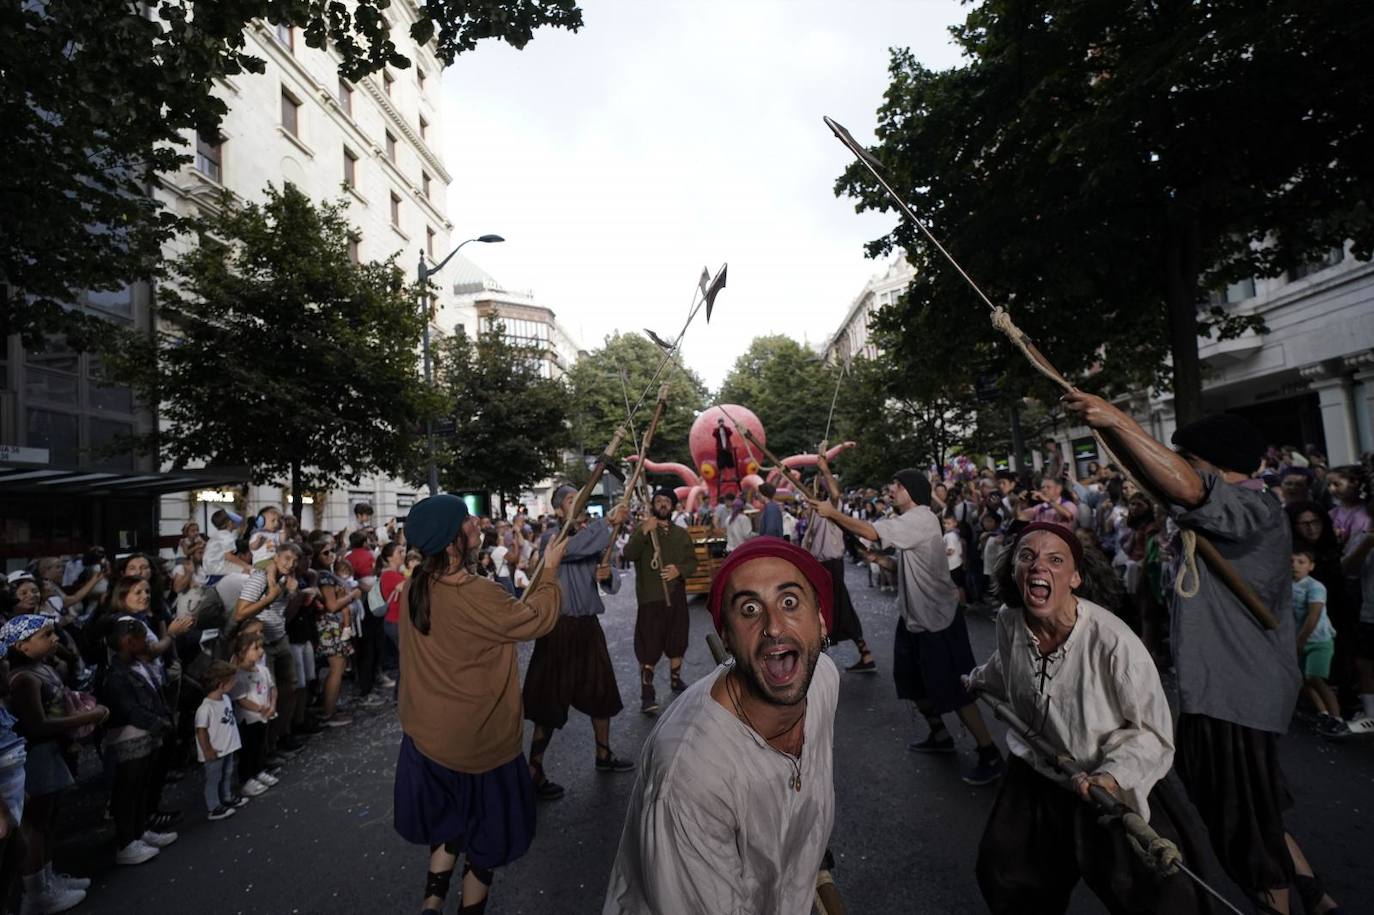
<point>670,135</point>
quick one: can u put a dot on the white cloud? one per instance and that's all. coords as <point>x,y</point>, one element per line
<point>668,135</point>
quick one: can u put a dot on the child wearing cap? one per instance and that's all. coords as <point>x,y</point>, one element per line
<point>221,556</point>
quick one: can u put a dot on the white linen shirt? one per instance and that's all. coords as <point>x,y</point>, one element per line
<point>1097,698</point>
<point>926,595</point>
<point>713,827</point>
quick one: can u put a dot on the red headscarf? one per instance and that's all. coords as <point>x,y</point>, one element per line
<point>762,547</point>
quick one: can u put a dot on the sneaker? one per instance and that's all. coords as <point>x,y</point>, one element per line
<point>236,802</point>
<point>289,751</point>
<point>371,700</point>
<point>613,763</point>
<point>67,881</point>
<point>1331,726</point>
<point>275,763</point>
<point>933,744</point>
<point>135,852</point>
<point>648,700</point>
<point>678,684</point>
<point>221,813</point>
<point>987,770</point>
<point>164,820</point>
<point>862,667</point>
<point>158,839</point>
<point>267,778</point>
<point>253,788</point>
<point>48,897</point>
<point>385,682</point>
<point>338,721</point>
<point>548,790</point>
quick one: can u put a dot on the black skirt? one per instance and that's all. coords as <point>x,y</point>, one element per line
<point>926,666</point>
<point>662,628</point>
<point>1041,839</point>
<point>1233,777</point>
<point>847,625</point>
<point>571,667</point>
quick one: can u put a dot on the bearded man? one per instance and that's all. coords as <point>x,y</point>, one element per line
<point>734,803</point>
<point>664,558</point>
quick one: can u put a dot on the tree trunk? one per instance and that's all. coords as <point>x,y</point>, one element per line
<point>296,495</point>
<point>1180,296</point>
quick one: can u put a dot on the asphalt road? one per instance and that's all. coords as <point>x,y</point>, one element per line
<point>905,836</point>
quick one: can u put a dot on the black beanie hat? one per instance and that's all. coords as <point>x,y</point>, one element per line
<point>1229,441</point>
<point>915,484</point>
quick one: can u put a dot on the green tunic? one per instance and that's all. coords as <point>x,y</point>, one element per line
<point>676,548</point>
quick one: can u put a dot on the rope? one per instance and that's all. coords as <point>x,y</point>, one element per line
<point>1001,320</point>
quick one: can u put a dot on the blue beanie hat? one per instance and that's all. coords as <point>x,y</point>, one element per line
<point>434,523</point>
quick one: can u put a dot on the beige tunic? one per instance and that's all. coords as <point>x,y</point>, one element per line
<point>713,826</point>
<point>1097,698</point>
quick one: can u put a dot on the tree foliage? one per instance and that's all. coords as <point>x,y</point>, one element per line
<point>98,97</point>
<point>788,387</point>
<point>598,397</point>
<point>510,421</point>
<point>276,352</point>
<point>1100,167</point>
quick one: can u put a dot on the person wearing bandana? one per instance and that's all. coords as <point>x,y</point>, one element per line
<point>735,800</point>
<point>662,625</point>
<point>1075,673</point>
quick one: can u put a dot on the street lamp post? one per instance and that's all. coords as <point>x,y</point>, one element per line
<point>424,273</point>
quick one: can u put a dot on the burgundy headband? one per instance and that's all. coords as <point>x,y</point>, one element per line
<point>1060,531</point>
<point>777,548</point>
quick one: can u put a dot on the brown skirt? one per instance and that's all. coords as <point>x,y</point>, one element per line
<point>663,628</point>
<point>571,667</point>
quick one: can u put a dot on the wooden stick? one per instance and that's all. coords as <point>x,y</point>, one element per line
<point>782,468</point>
<point>638,473</point>
<point>580,502</point>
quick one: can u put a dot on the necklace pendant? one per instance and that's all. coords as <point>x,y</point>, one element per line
<point>795,782</point>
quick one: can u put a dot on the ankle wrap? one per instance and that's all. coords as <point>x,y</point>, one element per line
<point>436,884</point>
<point>484,874</point>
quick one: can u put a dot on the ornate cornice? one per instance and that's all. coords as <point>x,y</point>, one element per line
<point>384,102</point>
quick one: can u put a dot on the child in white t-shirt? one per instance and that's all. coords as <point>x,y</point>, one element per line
<point>264,539</point>
<point>954,552</point>
<point>217,740</point>
<point>255,703</point>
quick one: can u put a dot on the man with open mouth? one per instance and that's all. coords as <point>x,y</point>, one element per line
<point>931,649</point>
<point>735,800</point>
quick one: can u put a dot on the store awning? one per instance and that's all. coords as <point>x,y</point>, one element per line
<point>42,479</point>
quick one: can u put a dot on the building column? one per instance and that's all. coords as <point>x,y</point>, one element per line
<point>1364,411</point>
<point>1334,391</point>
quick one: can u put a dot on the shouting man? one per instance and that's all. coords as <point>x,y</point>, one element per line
<point>734,803</point>
<point>664,558</point>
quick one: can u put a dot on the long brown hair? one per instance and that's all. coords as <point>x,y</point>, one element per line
<point>418,593</point>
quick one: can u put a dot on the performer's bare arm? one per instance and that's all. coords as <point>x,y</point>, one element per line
<point>1160,468</point>
<point>823,466</point>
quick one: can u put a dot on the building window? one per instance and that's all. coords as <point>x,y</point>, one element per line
<point>353,254</point>
<point>58,432</point>
<point>287,36</point>
<point>429,241</point>
<point>424,128</point>
<point>210,156</point>
<point>405,501</point>
<point>290,113</point>
<point>395,210</point>
<point>390,146</point>
<point>345,96</point>
<point>421,77</point>
<point>1321,262</point>
<point>424,184</point>
<point>350,168</point>
<point>387,80</point>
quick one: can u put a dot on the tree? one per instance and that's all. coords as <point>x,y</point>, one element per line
<point>275,351</point>
<point>99,97</point>
<point>788,387</point>
<point>510,422</point>
<point>1100,167</point>
<point>598,398</point>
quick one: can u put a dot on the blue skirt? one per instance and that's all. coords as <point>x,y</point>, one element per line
<point>489,816</point>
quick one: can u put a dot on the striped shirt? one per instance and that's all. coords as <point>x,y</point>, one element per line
<point>273,616</point>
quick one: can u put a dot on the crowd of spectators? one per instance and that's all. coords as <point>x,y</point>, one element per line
<point>219,663</point>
